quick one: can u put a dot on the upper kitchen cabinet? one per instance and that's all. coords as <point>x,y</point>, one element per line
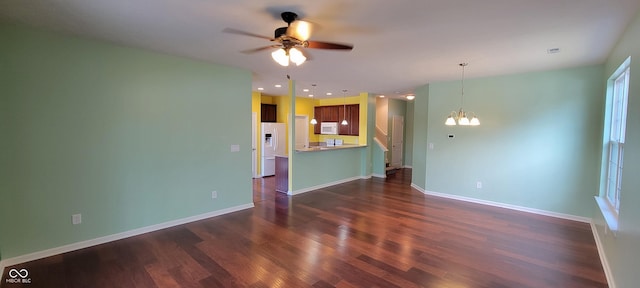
<point>336,113</point>
<point>330,114</point>
<point>269,113</point>
<point>352,117</point>
<point>317,114</point>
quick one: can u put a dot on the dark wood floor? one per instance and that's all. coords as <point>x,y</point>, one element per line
<point>365,233</point>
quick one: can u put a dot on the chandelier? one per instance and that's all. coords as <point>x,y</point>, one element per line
<point>460,117</point>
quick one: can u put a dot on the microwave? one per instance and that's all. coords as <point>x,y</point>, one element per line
<point>329,128</point>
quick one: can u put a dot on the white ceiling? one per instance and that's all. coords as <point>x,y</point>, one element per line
<point>399,45</point>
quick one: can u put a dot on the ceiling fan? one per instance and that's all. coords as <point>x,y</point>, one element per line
<point>295,35</point>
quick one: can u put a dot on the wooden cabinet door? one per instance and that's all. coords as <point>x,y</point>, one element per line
<point>343,129</point>
<point>351,113</point>
<point>330,114</point>
<point>354,119</point>
<point>268,113</point>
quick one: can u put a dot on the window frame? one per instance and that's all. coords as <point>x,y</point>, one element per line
<point>617,98</point>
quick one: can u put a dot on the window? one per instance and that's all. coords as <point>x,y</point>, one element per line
<point>615,128</point>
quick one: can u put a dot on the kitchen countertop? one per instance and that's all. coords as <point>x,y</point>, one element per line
<point>327,148</point>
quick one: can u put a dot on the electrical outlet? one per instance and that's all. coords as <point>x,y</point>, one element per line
<point>214,194</point>
<point>76,219</point>
<point>478,185</point>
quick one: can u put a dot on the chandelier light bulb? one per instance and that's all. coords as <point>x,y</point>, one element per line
<point>474,121</point>
<point>281,57</point>
<point>296,56</point>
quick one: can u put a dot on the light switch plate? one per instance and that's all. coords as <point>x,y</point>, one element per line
<point>235,148</point>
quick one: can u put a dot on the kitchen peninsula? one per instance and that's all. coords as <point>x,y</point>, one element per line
<point>282,162</point>
<point>314,148</point>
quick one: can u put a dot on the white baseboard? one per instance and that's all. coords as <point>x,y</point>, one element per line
<point>114,237</point>
<point>407,166</point>
<point>379,175</point>
<point>509,206</point>
<point>325,185</point>
<point>603,259</point>
<point>415,186</point>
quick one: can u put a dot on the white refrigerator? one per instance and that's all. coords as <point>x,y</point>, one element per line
<point>273,143</point>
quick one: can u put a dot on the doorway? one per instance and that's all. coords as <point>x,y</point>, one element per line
<point>397,141</point>
<point>302,131</point>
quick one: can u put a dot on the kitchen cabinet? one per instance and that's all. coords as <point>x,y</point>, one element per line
<point>353,120</point>
<point>330,114</point>
<point>336,113</point>
<point>269,113</point>
<point>317,113</point>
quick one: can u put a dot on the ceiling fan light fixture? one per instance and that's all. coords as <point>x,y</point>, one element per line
<point>296,56</point>
<point>281,57</point>
<point>300,30</point>
<point>290,39</point>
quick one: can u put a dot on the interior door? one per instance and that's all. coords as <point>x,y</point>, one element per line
<point>302,132</point>
<point>254,145</point>
<point>397,141</point>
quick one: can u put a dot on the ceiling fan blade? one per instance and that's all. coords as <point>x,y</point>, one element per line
<point>300,30</point>
<point>328,45</point>
<point>251,51</point>
<point>245,33</point>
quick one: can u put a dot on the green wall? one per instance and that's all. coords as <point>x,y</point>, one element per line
<point>377,160</point>
<point>367,165</point>
<point>420,125</point>
<point>622,251</point>
<point>408,136</point>
<point>126,137</point>
<point>537,145</point>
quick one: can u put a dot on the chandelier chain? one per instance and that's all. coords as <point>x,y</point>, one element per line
<point>462,83</point>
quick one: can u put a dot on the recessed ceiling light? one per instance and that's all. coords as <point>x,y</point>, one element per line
<point>329,93</point>
<point>310,95</point>
<point>305,90</point>
<point>381,96</point>
<point>553,50</point>
<point>260,89</point>
<point>278,85</point>
<point>411,97</point>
